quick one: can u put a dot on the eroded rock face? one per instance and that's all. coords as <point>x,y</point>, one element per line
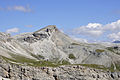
<point>53,45</point>
<point>10,71</point>
<point>38,35</point>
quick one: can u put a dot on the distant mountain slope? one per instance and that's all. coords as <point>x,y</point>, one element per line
<point>50,44</point>
<point>116,41</point>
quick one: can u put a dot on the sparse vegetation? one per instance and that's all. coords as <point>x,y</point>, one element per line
<point>114,50</point>
<point>71,56</point>
<point>75,44</point>
<point>110,49</point>
<point>94,66</point>
<point>32,62</point>
<point>38,56</point>
<point>117,66</point>
<point>99,50</point>
<point>111,68</point>
<point>21,59</point>
<point>65,62</point>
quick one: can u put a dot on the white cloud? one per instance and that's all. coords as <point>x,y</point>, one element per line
<point>114,26</point>
<point>79,39</point>
<point>17,8</point>
<point>93,25</point>
<point>97,29</point>
<point>114,36</point>
<point>13,30</point>
<point>95,32</point>
<point>92,29</point>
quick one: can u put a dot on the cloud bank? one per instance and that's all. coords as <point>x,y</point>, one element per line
<point>114,36</point>
<point>12,30</point>
<point>92,29</point>
<point>79,39</point>
<point>97,30</point>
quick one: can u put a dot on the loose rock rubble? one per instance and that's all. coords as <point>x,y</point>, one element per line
<point>10,71</point>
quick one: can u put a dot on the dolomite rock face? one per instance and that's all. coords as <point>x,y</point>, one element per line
<point>49,44</point>
<point>16,72</point>
<point>54,45</point>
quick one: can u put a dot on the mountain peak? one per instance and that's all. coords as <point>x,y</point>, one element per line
<point>51,26</point>
<point>48,28</point>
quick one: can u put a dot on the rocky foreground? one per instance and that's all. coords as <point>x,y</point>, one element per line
<point>9,71</point>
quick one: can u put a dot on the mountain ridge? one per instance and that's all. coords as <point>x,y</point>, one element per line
<point>50,44</point>
<point>50,53</point>
<point>117,41</point>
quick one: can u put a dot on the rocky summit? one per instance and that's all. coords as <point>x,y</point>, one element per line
<point>48,54</point>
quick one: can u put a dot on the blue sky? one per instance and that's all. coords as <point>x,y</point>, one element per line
<point>18,16</point>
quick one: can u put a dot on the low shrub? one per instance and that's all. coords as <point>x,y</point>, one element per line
<point>99,50</point>
<point>71,56</point>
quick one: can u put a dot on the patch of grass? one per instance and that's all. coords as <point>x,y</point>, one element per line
<point>99,50</point>
<point>45,63</point>
<point>113,49</point>
<point>71,56</point>
<point>55,60</point>
<point>38,56</point>
<point>75,44</point>
<point>8,59</point>
<point>94,66</point>
<point>30,62</point>
<point>41,63</point>
<point>111,68</point>
<point>21,59</point>
<point>117,66</point>
<point>110,49</point>
<point>65,62</point>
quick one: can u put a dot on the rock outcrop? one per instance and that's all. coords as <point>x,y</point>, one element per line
<point>10,71</point>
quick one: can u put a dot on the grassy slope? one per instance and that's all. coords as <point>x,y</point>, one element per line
<point>40,63</point>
